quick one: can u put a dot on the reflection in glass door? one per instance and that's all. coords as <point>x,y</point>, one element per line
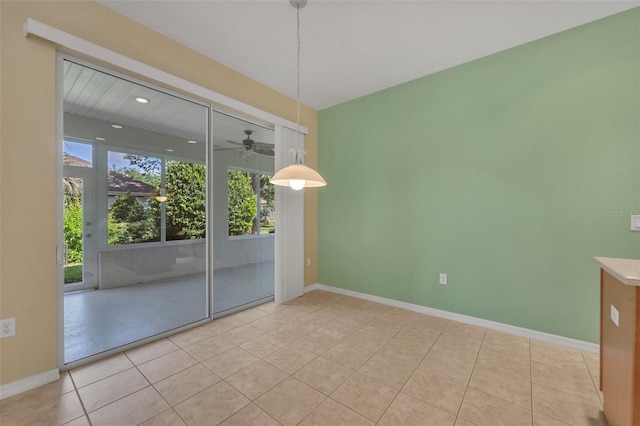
<point>148,187</point>
<point>244,213</point>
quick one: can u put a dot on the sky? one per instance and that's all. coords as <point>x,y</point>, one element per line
<point>83,151</point>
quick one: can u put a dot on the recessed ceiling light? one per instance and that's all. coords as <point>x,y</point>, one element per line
<point>100,139</point>
<point>116,126</point>
<point>192,142</point>
<point>142,100</point>
<point>169,150</point>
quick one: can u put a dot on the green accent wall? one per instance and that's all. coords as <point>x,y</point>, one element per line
<point>508,173</point>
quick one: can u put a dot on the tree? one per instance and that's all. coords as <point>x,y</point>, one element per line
<point>127,209</point>
<point>73,188</point>
<point>186,200</point>
<point>242,203</point>
<point>115,230</point>
<point>268,194</point>
<point>147,164</point>
<point>146,169</point>
<point>131,222</point>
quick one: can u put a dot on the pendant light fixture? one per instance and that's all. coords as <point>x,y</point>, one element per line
<point>161,196</point>
<point>297,175</point>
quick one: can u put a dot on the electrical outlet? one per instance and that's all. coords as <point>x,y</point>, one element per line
<point>7,328</point>
<point>308,261</point>
<point>443,279</point>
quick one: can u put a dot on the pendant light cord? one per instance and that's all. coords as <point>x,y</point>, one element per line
<point>299,154</point>
<point>298,66</point>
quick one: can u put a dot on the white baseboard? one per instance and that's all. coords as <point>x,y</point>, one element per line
<point>506,328</point>
<point>13,388</point>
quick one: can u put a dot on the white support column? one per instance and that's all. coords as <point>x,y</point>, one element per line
<point>289,280</point>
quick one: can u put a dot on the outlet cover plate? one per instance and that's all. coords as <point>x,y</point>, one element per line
<point>7,327</point>
<point>443,279</point>
<point>615,316</point>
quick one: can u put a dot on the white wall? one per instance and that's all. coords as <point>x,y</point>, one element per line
<point>134,265</point>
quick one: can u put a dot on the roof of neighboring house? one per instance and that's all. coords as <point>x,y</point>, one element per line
<point>72,160</point>
<point>118,183</point>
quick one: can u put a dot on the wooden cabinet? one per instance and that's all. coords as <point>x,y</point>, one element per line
<point>620,343</point>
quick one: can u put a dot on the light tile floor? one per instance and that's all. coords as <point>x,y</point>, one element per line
<point>144,310</point>
<point>325,359</point>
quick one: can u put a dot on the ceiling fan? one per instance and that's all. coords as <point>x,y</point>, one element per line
<point>249,145</point>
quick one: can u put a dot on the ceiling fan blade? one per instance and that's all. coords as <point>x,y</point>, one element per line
<point>237,143</point>
<point>267,152</point>
<point>263,145</point>
<point>227,149</point>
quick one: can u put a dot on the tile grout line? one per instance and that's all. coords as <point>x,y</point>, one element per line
<point>592,379</point>
<point>154,388</point>
<point>172,407</point>
<point>104,378</point>
<point>564,393</point>
<point>233,387</point>
<point>325,397</point>
<point>148,381</point>
<point>354,371</point>
<point>399,391</point>
<point>84,410</point>
<point>531,377</point>
<point>475,363</point>
<point>152,385</point>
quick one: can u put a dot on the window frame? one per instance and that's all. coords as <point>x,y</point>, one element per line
<point>103,170</point>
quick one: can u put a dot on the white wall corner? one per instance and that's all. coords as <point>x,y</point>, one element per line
<point>492,325</point>
<point>14,388</point>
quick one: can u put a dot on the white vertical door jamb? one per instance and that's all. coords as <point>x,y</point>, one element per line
<point>289,235</point>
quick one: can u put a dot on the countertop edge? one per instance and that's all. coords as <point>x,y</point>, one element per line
<point>627,271</point>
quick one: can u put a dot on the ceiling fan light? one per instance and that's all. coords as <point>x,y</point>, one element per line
<point>292,176</point>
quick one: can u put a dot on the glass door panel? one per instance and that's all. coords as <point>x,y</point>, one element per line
<point>149,203</point>
<point>244,212</point>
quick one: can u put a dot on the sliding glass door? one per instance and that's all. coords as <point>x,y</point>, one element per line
<point>141,155</point>
<point>166,223</point>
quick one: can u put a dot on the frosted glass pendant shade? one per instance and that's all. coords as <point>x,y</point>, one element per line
<point>298,176</point>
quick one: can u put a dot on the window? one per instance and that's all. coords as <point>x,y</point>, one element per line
<point>77,154</point>
<point>134,213</point>
<point>153,199</point>
<point>251,203</point>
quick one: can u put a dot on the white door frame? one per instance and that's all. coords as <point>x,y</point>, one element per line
<point>89,252</point>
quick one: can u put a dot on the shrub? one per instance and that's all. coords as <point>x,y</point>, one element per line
<point>73,228</point>
<point>242,203</point>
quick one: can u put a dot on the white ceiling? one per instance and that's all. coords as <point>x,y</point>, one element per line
<point>94,101</point>
<point>353,48</point>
